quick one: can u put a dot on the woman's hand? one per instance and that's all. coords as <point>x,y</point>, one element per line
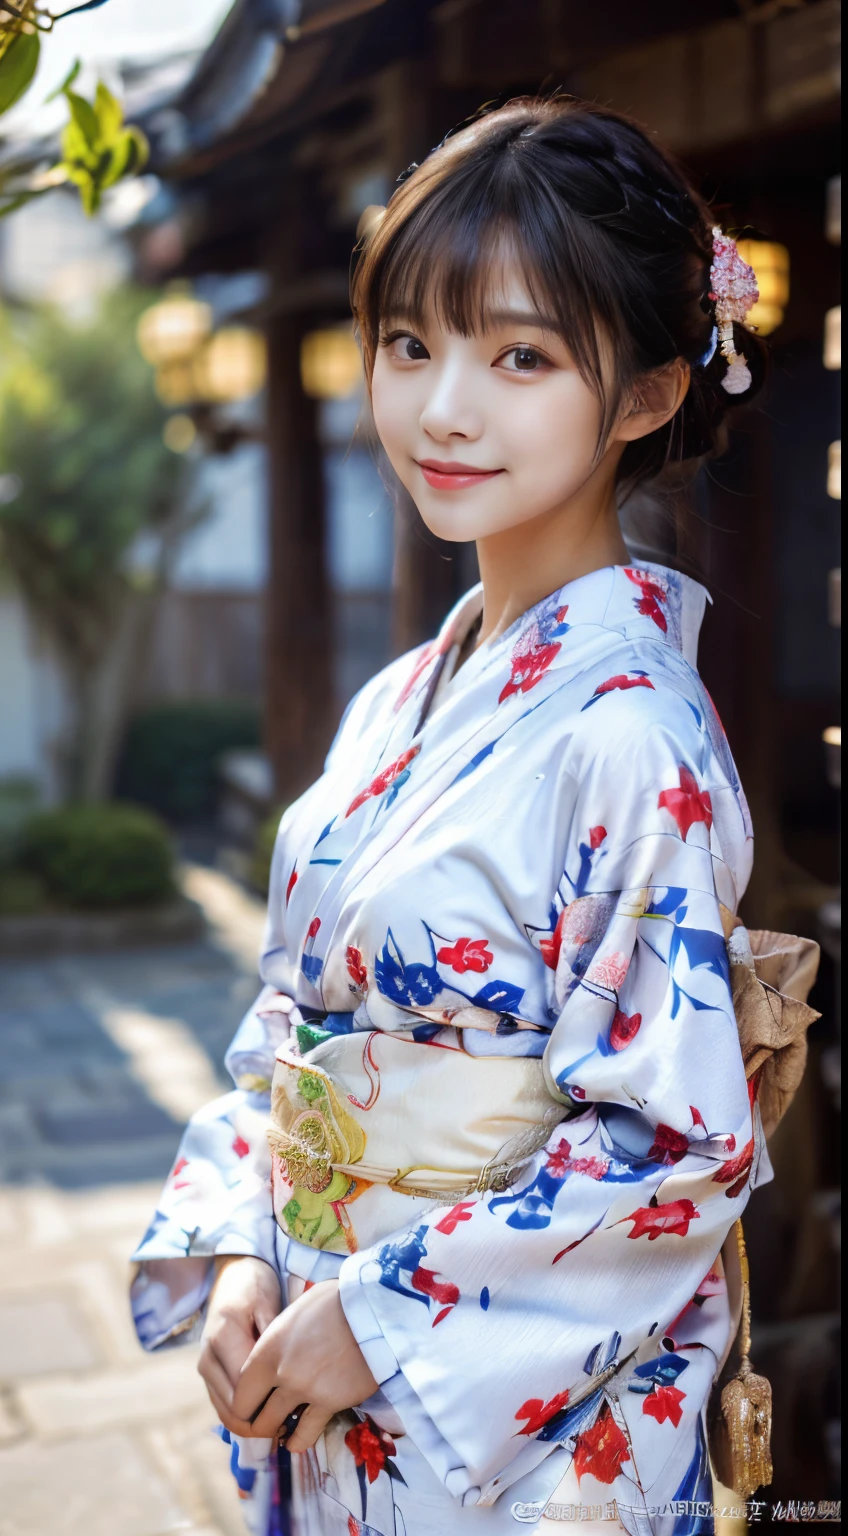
<point>244,1301</point>
<point>307,1356</point>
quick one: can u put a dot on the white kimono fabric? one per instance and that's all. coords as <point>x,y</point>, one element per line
<point>527,859</point>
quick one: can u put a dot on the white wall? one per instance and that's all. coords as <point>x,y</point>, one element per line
<point>33,710</point>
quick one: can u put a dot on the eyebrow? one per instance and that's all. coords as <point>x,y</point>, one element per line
<point>528,317</point>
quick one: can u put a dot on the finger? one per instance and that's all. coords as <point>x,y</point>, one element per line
<point>264,1314</point>
<point>230,1421</point>
<point>257,1378</point>
<point>214,1375</point>
<point>309,1428</point>
<point>231,1344</point>
<point>269,1421</point>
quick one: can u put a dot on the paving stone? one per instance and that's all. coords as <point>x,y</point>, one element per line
<point>18,1129</point>
<point>89,1123</point>
<point>163,1386</point>
<point>102,1486</point>
<point>43,1335</point>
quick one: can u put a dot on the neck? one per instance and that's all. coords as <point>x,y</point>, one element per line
<point>525,563</point>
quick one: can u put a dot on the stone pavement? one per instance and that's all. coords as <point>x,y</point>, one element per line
<point>102,1058</point>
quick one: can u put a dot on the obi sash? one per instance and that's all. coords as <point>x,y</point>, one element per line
<point>365,1122</point>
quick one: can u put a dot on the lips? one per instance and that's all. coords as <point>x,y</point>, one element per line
<point>452,476</point>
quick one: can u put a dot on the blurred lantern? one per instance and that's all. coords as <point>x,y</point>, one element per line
<point>330,364</point>
<point>771,269</point>
<point>833,338</point>
<point>172,330</point>
<point>179,432</point>
<point>834,471</point>
<point>230,366</point>
<point>832,739</point>
<point>174,383</point>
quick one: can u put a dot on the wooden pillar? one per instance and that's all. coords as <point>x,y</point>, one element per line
<point>298,693</point>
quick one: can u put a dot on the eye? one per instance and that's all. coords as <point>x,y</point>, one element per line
<point>404,347</point>
<point>522,360</point>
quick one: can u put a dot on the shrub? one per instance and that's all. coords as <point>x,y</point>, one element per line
<point>19,797</point>
<point>263,848</point>
<point>170,756</point>
<point>101,855</point>
<point>21,893</point>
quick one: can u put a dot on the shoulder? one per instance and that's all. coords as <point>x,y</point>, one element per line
<point>635,695</point>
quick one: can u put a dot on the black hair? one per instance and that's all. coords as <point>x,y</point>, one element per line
<point>612,241</point>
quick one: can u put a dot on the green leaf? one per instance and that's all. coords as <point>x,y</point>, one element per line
<point>127,157</point>
<point>17,67</point>
<point>84,117</point>
<point>109,114</point>
<point>66,83</point>
<point>76,150</point>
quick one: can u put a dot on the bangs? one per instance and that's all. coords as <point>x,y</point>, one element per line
<point>450,253</point>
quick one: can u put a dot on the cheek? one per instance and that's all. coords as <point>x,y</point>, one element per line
<point>391,408</point>
<point>552,431</point>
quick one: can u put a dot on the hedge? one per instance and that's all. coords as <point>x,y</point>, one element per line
<point>108,855</point>
<point>170,756</point>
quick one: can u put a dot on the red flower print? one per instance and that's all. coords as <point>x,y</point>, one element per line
<point>736,1171</point>
<point>609,972</point>
<point>528,668</point>
<point>313,927</point>
<point>668,1145</point>
<point>653,594</point>
<point>458,1213</point>
<point>596,837</point>
<point>687,804</point>
<point>370,1447</point>
<point>625,1027</point>
<point>356,967</point>
<point>560,1162</point>
<point>443,1291</point>
<point>558,1159</point>
<point>601,1449</point>
<point>177,1170</point>
<point>537,1412</point>
<point>623,682</point>
<point>664,1403</point>
<point>384,780</point>
<point>291,885</point>
<point>241,1147</point>
<point>549,947</point>
<point>672,1218</point>
<point>467,955</point>
<point>697,1117</point>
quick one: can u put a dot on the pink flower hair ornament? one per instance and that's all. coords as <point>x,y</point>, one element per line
<point>734,291</point>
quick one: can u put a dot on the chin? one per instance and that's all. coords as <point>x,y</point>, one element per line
<point>459,524</point>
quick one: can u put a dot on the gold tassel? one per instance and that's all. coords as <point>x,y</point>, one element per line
<point>744,1427</point>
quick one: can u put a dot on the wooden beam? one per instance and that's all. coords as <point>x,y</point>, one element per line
<point>299,716</point>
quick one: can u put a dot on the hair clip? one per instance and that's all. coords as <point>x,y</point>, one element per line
<point>733,288</point>
<point>405,175</point>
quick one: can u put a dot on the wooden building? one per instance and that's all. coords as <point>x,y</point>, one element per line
<point>302,112</point>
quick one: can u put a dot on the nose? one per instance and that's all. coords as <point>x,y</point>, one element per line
<point>450,411</point>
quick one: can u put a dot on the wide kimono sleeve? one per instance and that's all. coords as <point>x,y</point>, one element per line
<point>590,1284</point>
<point>216,1199</point>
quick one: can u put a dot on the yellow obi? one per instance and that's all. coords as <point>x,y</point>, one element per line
<point>366,1122</point>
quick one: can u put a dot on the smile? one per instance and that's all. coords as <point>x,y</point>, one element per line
<point>451,476</point>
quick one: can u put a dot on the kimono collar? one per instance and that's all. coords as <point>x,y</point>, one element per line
<point>644,601</point>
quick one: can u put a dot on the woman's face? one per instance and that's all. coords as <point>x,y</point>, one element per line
<point>486,431</point>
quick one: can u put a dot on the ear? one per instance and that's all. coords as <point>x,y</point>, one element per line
<point>655,399</point>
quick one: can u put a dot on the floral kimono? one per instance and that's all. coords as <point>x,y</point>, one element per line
<point>521,876</point>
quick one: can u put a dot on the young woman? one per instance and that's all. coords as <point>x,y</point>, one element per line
<point>474,1268</point>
